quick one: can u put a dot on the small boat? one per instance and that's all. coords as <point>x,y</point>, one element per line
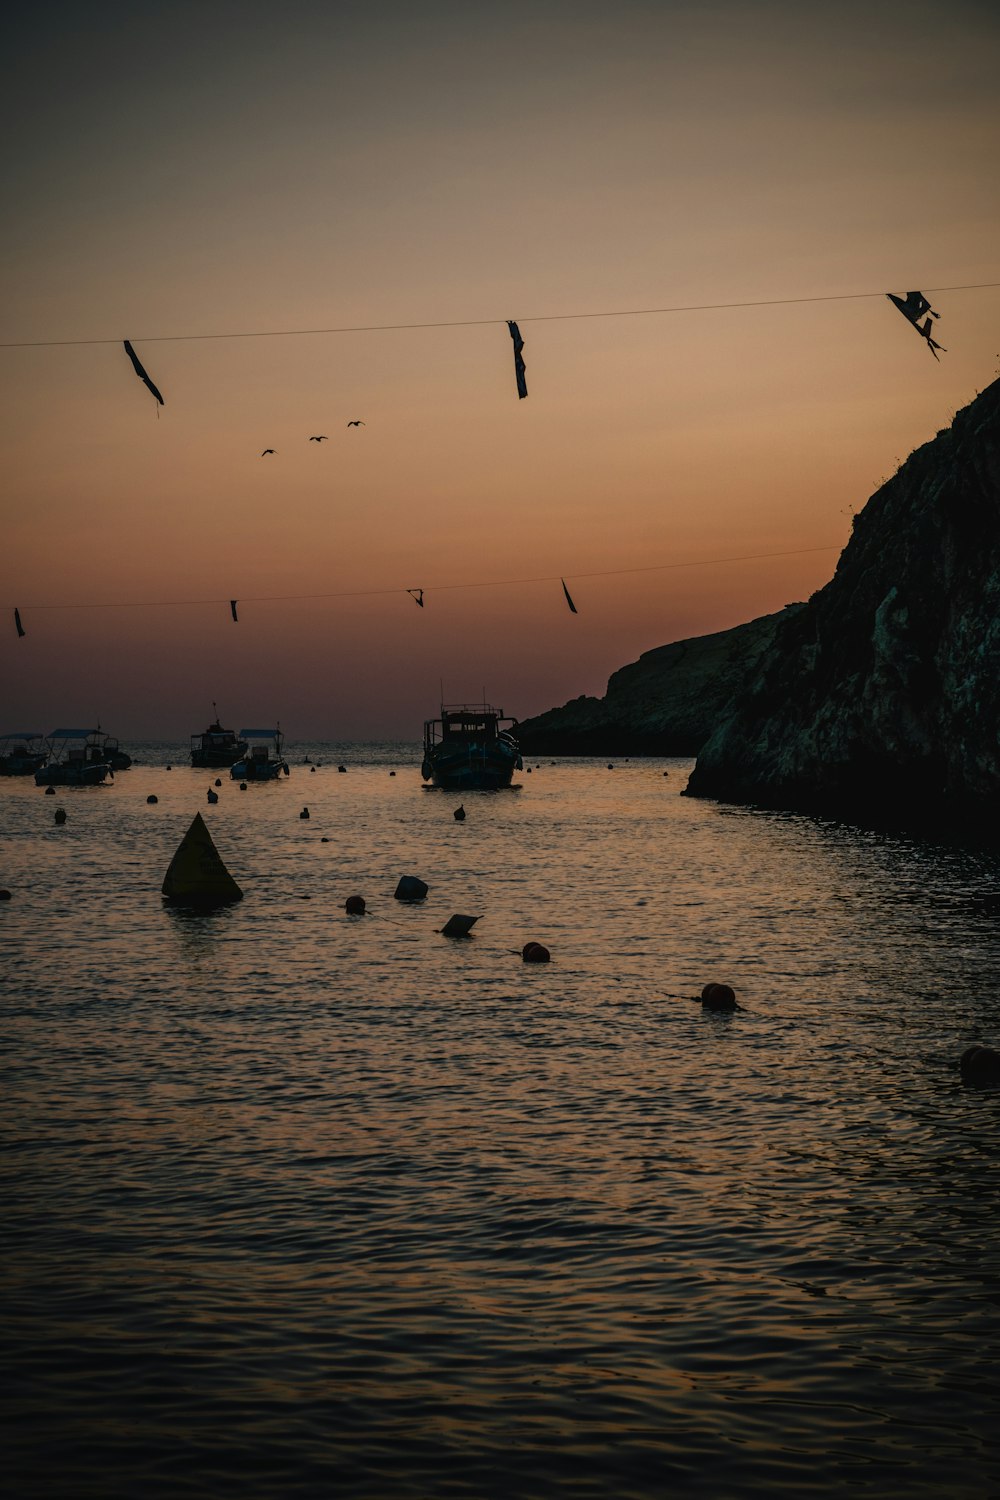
<point>263,760</point>
<point>68,763</point>
<point>469,748</point>
<point>216,746</point>
<point>103,750</point>
<point>22,754</point>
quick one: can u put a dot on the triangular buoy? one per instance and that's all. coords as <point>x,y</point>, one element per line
<point>196,873</point>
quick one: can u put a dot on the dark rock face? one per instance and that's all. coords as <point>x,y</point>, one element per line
<point>666,703</point>
<point>881,696</point>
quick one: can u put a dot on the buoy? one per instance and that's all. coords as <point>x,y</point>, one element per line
<point>304,813</point>
<point>534,953</point>
<point>60,815</point>
<point>459,814</point>
<point>718,997</point>
<point>312,770</point>
<point>392,773</point>
<point>410,889</point>
<point>217,781</point>
<point>980,1065</point>
<point>341,768</point>
<point>355,906</point>
<point>4,895</point>
<point>170,768</point>
<point>50,791</point>
<point>212,796</point>
<point>610,766</point>
<point>458,926</point>
<point>666,773</point>
<point>324,841</point>
<point>243,786</point>
<point>196,875</point>
<point>152,799</point>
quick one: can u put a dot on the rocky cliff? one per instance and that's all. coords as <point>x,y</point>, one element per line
<point>882,694</point>
<point>666,703</point>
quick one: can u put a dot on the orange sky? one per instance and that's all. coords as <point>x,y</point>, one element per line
<point>179,169</point>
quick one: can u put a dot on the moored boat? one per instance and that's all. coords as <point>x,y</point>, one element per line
<point>216,746</point>
<point>263,760</point>
<point>22,754</point>
<point>68,764</point>
<point>103,750</point>
<point>469,748</point>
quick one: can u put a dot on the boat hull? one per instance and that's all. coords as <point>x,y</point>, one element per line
<point>249,770</point>
<point>86,775</point>
<point>21,765</point>
<point>470,768</point>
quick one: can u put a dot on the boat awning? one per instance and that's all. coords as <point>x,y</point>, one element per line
<point>70,734</point>
<point>23,734</point>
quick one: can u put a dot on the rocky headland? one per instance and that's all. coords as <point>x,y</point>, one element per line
<point>877,699</point>
<point>880,698</point>
<point>667,703</point>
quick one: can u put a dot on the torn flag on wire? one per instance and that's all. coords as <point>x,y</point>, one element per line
<point>569,601</point>
<point>232,606</point>
<point>17,622</point>
<point>417,595</point>
<point>137,367</point>
<point>515,333</point>
<point>913,307</point>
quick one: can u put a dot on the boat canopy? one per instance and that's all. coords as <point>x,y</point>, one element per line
<point>70,734</point>
<point>258,734</point>
<point>23,734</point>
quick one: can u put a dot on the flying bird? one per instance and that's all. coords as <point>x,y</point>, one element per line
<point>137,367</point>
<point>321,439</point>
<point>357,424</point>
<point>913,307</point>
<point>267,451</point>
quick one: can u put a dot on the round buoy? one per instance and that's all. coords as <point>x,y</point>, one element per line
<point>459,814</point>
<point>355,906</point>
<point>243,786</point>
<point>324,841</point>
<point>170,768</point>
<point>217,781</point>
<point>392,773</point>
<point>312,770</point>
<point>610,766</point>
<point>666,773</point>
<point>980,1065</point>
<point>152,799</point>
<point>213,797</point>
<point>50,791</point>
<point>60,815</point>
<point>341,768</point>
<point>534,953</point>
<point>718,997</point>
<point>5,895</point>
<point>304,813</point>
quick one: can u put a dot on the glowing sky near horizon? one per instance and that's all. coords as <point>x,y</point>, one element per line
<point>182,169</point>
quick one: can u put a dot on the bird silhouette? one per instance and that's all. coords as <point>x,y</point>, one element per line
<point>357,424</point>
<point>321,439</point>
<point>267,451</point>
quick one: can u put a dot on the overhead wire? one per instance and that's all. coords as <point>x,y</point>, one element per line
<point>621,312</point>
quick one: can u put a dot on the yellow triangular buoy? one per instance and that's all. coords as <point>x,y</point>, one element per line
<point>196,872</point>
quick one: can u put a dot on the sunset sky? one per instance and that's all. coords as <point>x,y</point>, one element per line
<point>206,168</point>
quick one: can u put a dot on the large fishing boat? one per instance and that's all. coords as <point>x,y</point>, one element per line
<point>263,760</point>
<point>216,746</point>
<point>68,763</point>
<point>469,748</point>
<point>22,754</point>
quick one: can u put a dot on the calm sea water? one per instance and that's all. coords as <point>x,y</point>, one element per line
<point>303,1204</point>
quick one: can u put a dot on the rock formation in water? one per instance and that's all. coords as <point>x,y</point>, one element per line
<point>666,703</point>
<point>882,694</point>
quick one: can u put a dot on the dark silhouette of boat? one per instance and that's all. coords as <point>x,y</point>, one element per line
<point>263,760</point>
<point>470,748</point>
<point>69,763</point>
<point>103,749</point>
<point>22,754</point>
<point>216,746</point>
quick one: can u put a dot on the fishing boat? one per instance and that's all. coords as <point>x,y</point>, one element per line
<point>22,754</point>
<point>68,764</point>
<point>263,760</point>
<point>216,746</point>
<point>103,750</point>
<point>471,747</point>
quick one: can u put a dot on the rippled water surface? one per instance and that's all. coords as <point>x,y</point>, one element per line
<point>302,1204</point>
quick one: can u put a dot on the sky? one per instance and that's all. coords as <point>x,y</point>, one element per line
<point>191,169</point>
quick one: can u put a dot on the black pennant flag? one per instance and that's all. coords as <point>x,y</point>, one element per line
<point>569,601</point>
<point>417,595</point>
<point>914,306</point>
<point>17,622</point>
<point>137,367</point>
<point>232,606</point>
<point>515,333</point>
